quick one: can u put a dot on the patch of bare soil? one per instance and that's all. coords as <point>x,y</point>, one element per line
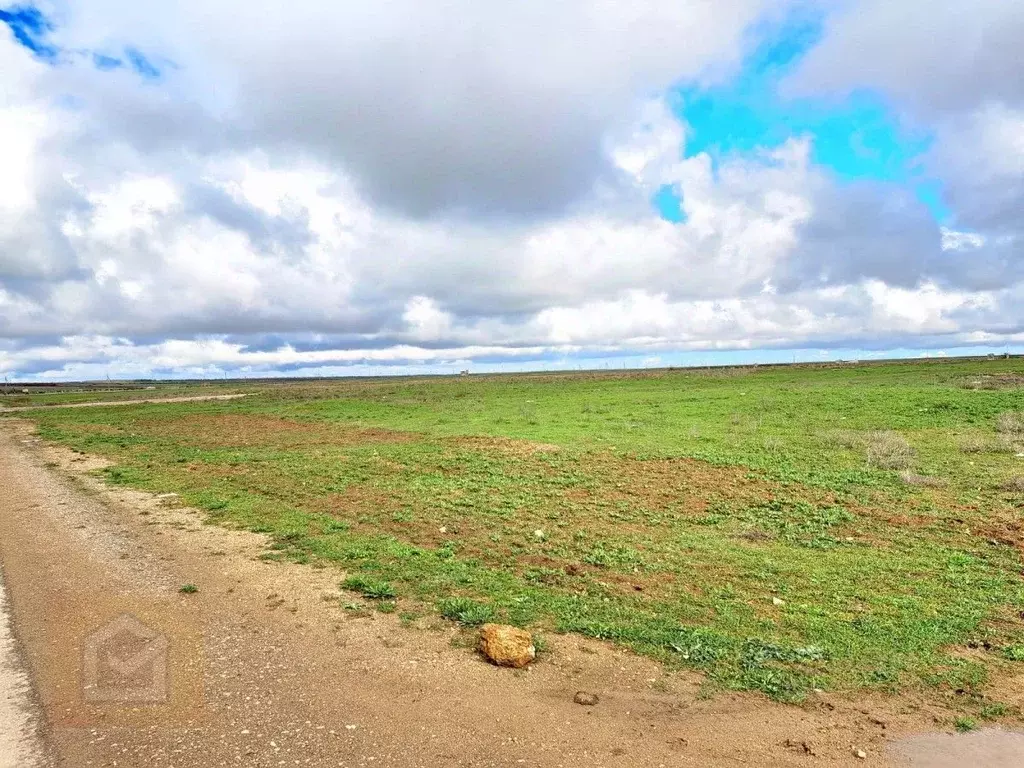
<point>264,667</point>
<point>129,401</point>
<point>505,445</point>
<point>243,430</point>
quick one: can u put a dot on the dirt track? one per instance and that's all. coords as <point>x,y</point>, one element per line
<point>104,403</point>
<point>265,668</point>
<point>20,745</point>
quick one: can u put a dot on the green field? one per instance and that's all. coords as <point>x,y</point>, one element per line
<point>781,529</point>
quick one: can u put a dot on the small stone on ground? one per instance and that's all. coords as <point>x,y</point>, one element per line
<point>507,646</point>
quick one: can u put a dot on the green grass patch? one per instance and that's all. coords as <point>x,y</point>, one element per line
<point>756,525</point>
<point>374,589</point>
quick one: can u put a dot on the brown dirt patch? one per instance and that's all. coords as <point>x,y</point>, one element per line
<point>688,483</point>
<point>238,430</point>
<point>504,445</point>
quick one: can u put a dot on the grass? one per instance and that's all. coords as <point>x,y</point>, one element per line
<point>889,450</point>
<point>374,589</point>
<point>965,724</point>
<point>779,529</point>
<point>465,611</point>
<point>1014,484</point>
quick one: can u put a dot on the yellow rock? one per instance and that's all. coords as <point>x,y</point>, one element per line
<point>507,646</point>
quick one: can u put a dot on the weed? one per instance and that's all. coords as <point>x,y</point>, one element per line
<point>1014,652</point>
<point>921,481</point>
<point>613,556</point>
<point>889,450</point>
<point>465,611</point>
<point>965,724</point>
<point>1001,443</point>
<point>188,589</point>
<point>993,711</point>
<point>1011,423</point>
<point>797,521</point>
<point>1013,485</point>
<point>375,589</point>
<point>843,438</point>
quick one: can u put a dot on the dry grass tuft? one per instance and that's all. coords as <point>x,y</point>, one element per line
<point>843,438</point>
<point>889,450</point>
<point>998,381</point>
<point>1011,423</point>
<point>1001,443</point>
<point>1014,485</point>
<point>921,481</point>
<point>974,444</point>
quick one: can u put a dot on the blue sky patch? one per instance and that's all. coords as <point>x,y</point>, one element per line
<point>30,28</point>
<point>142,66</point>
<point>668,202</point>
<point>856,137</point>
<point>106,63</point>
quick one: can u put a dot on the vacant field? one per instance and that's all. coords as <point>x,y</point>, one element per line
<point>780,529</point>
<point>14,397</point>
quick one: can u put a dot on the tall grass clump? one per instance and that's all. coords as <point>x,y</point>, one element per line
<point>1014,485</point>
<point>1001,443</point>
<point>921,481</point>
<point>889,450</point>
<point>1011,424</point>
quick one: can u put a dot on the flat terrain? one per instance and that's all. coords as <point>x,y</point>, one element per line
<point>125,401</point>
<point>849,535</point>
<point>20,745</point>
<point>268,664</point>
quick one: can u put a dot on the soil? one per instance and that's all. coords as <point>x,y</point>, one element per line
<point>266,667</point>
<point>20,746</point>
<point>105,403</point>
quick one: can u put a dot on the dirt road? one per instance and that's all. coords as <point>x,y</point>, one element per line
<point>104,403</point>
<point>20,743</point>
<point>263,666</point>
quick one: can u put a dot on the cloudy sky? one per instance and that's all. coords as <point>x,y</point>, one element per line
<point>343,186</point>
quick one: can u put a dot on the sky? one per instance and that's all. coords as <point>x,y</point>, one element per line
<point>425,186</point>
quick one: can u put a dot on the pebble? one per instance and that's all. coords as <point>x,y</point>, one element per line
<point>585,698</point>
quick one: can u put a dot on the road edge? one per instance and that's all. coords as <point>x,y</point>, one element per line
<point>21,723</point>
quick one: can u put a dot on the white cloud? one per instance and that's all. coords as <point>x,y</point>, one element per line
<point>935,56</point>
<point>292,197</point>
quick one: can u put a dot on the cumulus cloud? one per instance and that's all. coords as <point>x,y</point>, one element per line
<point>344,187</point>
<point>458,106</point>
<point>933,56</point>
<point>955,70</point>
